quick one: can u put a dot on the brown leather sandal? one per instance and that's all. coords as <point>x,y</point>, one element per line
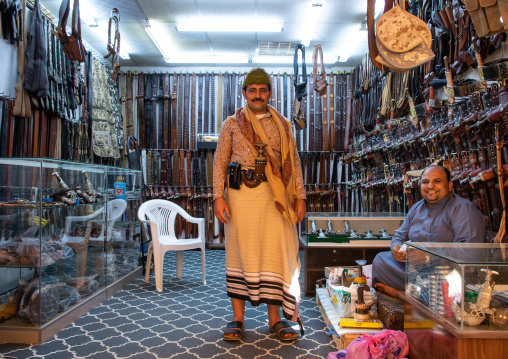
<point>234,331</point>
<point>281,329</point>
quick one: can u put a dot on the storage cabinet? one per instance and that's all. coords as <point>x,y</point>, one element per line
<point>318,255</point>
<point>68,241</point>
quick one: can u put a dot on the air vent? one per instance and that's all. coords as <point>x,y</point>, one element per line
<point>277,48</point>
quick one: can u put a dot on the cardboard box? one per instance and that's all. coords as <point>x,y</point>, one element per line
<point>343,298</point>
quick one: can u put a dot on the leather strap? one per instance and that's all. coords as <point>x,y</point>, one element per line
<point>316,56</point>
<point>279,95</point>
<point>322,168</point>
<point>348,111</point>
<point>123,100</point>
<point>219,103</point>
<point>225,104</point>
<point>332,112</point>
<point>165,116</point>
<point>212,108</point>
<point>274,90</point>
<point>164,168</point>
<point>233,79</point>
<point>149,121</point>
<point>27,148</point>
<point>209,168</point>
<point>160,117</point>
<point>495,72</point>
<point>318,129</point>
<point>285,95</point>
<point>36,133</point>
<point>141,110</point>
<point>129,127</point>
<point>200,103</point>
<point>326,121</point>
<point>185,124</point>
<point>304,134</point>
<point>154,128</point>
<point>239,93</point>
<point>180,113</point>
<point>188,156</point>
<point>176,168</point>
<point>193,134</point>
<point>174,119</point>
<point>206,120</point>
<point>182,169</point>
<point>311,116</point>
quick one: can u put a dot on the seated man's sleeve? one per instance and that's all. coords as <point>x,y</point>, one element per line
<point>468,225</point>
<point>402,234</point>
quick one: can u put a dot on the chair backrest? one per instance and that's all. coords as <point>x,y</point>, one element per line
<point>116,208</point>
<point>163,213</point>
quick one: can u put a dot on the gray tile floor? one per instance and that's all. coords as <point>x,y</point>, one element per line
<point>184,321</point>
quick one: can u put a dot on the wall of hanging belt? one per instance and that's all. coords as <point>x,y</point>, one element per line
<point>452,110</point>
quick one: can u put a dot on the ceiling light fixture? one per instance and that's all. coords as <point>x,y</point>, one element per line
<point>311,22</point>
<point>229,26</point>
<point>160,41</point>
<point>124,55</point>
<point>267,59</point>
<point>207,59</point>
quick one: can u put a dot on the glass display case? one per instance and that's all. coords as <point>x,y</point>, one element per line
<point>463,286</point>
<point>207,141</point>
<point>345,227</point>
<point>333,239</point>
<point>68,238</point>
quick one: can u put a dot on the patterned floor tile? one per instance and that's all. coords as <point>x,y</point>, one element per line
<point>185,321</point>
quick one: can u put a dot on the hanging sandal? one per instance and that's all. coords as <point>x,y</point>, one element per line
<point>234,331</point>
<point>281,329</point>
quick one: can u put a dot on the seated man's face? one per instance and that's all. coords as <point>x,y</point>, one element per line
<point>434,185</point>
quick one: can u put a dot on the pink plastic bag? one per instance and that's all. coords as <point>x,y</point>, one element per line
<point>390,344</point>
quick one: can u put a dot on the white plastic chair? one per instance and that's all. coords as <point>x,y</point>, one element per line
<point>161,215</point>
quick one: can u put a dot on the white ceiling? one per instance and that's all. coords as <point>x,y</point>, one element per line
<point>338,30</point>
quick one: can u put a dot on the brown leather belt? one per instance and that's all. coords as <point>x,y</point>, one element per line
<point>186,106</point>
<point>311,114</point>
<point>164,168</point>
<point>141,110</point>
<point>129,127</point>
<point>165,114</point>
<point>326,121</point>
<point>332,112</point>
<point>212,109</point>
<point>279,95</point>
<point>207,104</point>
<point>193,134</point>
<point>174,118</point>
<point>149,125</point>
<point>160,108</point>
<point>180,113</point>
<point>349,104</point>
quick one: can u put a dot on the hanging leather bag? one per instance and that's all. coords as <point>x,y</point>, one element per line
<point>72,45</point>
<point>300,88</point>
<point>486,15</point>
<point>321,84</point>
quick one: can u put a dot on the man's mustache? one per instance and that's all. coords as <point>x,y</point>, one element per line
<point>258,99</point>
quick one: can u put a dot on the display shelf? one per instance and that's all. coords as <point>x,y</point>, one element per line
<point>58,259</point>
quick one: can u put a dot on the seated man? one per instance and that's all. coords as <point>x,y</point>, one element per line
<point>441,216</point>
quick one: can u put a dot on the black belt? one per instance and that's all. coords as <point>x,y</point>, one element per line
<point>200,104</point>
<point>141,110</point>
<point>165,115</point>
<point>207,104</point>
<point>494,72</point>
<point>179,138</point>
<point>174,119</point>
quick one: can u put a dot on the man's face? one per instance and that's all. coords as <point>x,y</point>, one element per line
<point>257,97</point>
<point>434,185</point>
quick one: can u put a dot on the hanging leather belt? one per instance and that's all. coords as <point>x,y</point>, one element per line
<point>164,168</point>
<point>182,169</point>
<point>36,133</point>
<point>123,99</point>
<point>209,168</point>
<point>311,115</point>
<point>279,95</point>
<point>141,110</point>
<point>225,103</point>
<point>292,111</point>
<point>200,104</point>
<point>43,152</point>
<point>188,156</point>
<point>149,120</point>
<point>325,121</point>
<point>239,93</point>
<point>207,104</point>
<point>185,123</point>
<point>349,104</point>
<point>304,106</point>
<point>156,168</point>
<point>219,103</point>
<point>274,90</point>
<point>165,115</point>
<point>129,127</point>
<point>322,168</point>
<point>174,118</point>
<point>160,117</point>
<point>10,129</point>
<point>27,149</point>
<point>176,169</point>
<point>154,101</point>
<point>233,79</point>
<point>318,133</point>
<point>179,138</point>
<point>332,112</point>
<point>193,114</point>
<point>203,172</point>
<point>285,93</point>
<point>212,110</point>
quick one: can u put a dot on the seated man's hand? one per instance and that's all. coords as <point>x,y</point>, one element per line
<point>417,258</point>
<point>219,207</point>
<point>399,256</point>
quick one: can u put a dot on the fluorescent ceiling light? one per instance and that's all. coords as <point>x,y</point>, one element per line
<point>156,33</point>
<point>230,26</point>
<point>207,59</point>
<point>266,59</point>
<point>311,20</point>
<point>124,55</point>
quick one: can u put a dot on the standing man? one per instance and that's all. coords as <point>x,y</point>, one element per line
<point>262,263</point>
<point>441,216</point>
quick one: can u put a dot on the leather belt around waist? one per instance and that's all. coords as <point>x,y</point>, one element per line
<point>252,180</point>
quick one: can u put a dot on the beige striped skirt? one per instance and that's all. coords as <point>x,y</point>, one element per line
<point>262,264</point>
